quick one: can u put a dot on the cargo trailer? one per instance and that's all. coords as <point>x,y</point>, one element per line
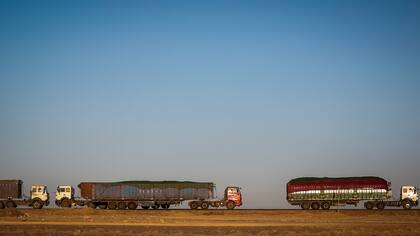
<point>11,195</point>
<point>321,193</point>
<point>147,194</point>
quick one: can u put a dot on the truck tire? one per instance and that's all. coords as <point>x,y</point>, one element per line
<point>164,206</point>
<point>112,205</point>
<point>156,206</point>
<point>369,205</point>
<point>325,205</point>
<point>66,203</point>
<point>37,204</point>
<point>122,206</point>
<point>315,205</point>
<point>102,206</point>
<point>204,205</point>
<point>92,205</point>
<point>230,205</point>
<point>380,205</point>
<point>132,205</point>
<point>145,207</point>
<point>11,204</point>
<point>406,205</point>
<point>2,205</point>
<point>194,205</point>
<point>305,205</point>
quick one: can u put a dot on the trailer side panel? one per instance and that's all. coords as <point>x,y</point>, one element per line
<point>10,188</point>
<point>147,190</point>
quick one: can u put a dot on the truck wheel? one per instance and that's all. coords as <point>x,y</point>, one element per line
<point>132,205</point>
<point>145,207</point>
<point>102,206</point>
<point>2,205</point>
<point>92,205</point>
<point>369,205</point>
<point>112,205</point>
<point>406,205</point>
<point>10,204</point>
<point>204,205</point>
<point>380,205</point>
<point>66,203</point>
<point>325,205</point>
<point>230,205</point>
<point>315,206</point>
<point>194,205</point>
<point>165,206</point>
<point>156,206</point>
<point>305,205</point>
<point>122,206</point>
<point>37,204</point>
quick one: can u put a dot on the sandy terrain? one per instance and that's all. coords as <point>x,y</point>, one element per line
<point>209,222</point>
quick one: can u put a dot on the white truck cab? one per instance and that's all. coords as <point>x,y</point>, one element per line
<point>39,196</point>
<point>409,193</point>
<point>40,192</point>
<point>64,191</point>
<point>64,195</point>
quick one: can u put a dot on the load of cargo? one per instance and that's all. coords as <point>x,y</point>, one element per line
<point>147,194</point>
<point>11,195</point>
<point>322,193</point>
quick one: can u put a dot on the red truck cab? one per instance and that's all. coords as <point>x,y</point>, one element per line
<point>233,197</point>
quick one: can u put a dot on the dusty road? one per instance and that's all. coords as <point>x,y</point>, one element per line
<point>210,222</point>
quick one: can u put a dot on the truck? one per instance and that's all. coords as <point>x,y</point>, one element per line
<point>323,192</point>
<point>147,194</point>
<point>11,195</point>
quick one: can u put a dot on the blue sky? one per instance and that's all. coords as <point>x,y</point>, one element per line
<point>248,93</point>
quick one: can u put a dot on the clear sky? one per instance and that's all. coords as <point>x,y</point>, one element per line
<point>247,93</point>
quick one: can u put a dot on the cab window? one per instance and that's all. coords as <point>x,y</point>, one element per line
<point>232,190</point>
<point>67,190</point>
<point>34,190</point>
<point>404,190</point>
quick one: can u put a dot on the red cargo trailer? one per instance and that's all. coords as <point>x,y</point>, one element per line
<point>309,183</point>
<point>316,193</point>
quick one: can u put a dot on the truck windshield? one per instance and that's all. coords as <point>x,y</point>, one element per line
<point>233,190</point>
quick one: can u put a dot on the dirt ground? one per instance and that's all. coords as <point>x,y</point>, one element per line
<point>208,222</point>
